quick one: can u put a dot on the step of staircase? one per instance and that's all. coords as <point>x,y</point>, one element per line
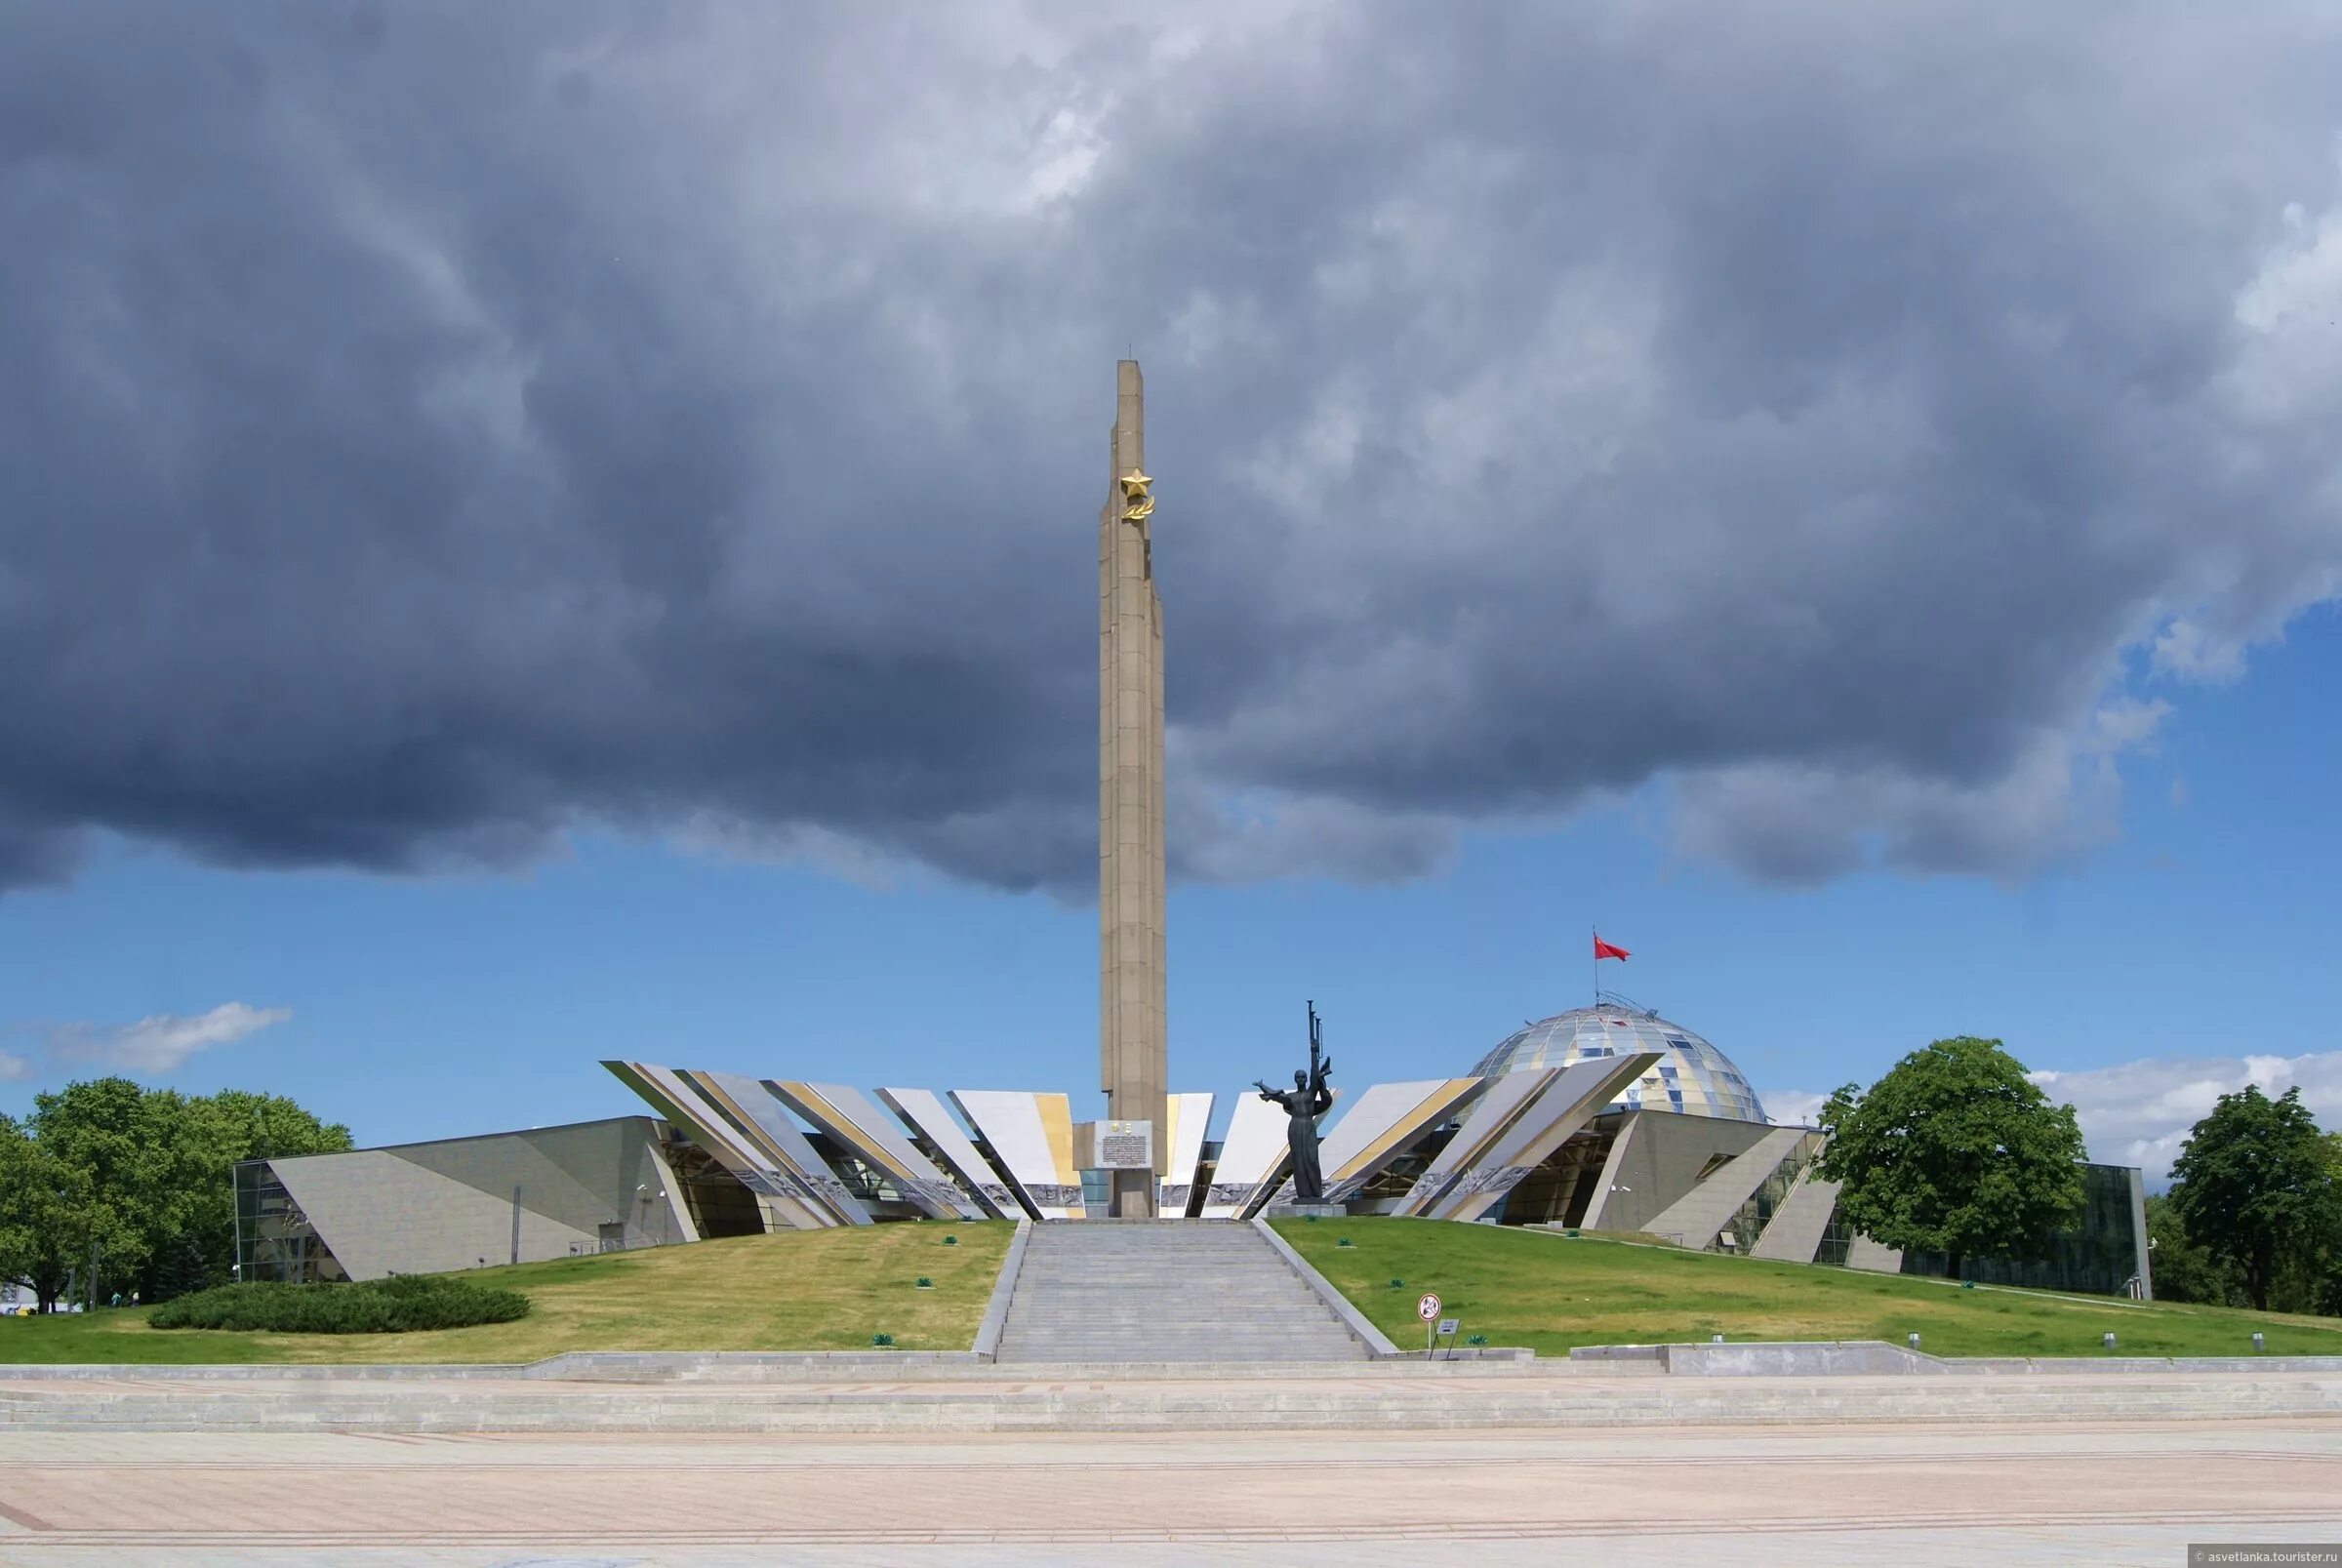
<point>1171,1290</point>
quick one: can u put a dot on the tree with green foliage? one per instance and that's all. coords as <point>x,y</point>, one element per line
<point>197,1248</point>
<point>2257,1184</point>
<point>2185,1269</point>
<point>48,1217</point>
<point>103,1165</point>
<point>2327,1287</point>
<point>1955,1151</point>
<point>140,1179</point>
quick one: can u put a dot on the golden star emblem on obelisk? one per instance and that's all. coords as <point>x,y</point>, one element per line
<point>1137,505</point>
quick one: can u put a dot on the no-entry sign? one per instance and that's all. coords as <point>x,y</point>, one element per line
<point>1427,1308</point>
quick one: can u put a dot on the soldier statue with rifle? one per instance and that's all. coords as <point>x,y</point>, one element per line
<point>1308,1100</point>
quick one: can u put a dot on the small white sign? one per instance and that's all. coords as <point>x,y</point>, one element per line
<point>1427,1308</point>
<point>1447,1327</point>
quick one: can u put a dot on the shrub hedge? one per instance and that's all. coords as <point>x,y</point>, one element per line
<point>399,1305</point>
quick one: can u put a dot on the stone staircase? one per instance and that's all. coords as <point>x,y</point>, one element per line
<point>1165,1290</point>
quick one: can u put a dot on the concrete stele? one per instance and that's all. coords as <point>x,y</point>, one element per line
<point>1130,807</point>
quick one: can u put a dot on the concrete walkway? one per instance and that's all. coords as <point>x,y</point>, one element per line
<point>1375,1396</point>
<point>1913,1495</point>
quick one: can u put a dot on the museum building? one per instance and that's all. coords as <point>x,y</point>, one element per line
<point>1607,1118</point>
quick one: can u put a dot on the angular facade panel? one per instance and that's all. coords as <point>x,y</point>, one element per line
<point>463,1202</point>
<point>1032,1139</point>
<point>1795,1235</point>
<point>1190,1117</point>
<point>787,1197</point>
<point>923,1112</point>
<point>1500,1104</point>
<point>577,1174</point>
<point>1694,1220</point>
<point>1657,1158</point>
<point>859,1123</point>
<point>1379,1126</point>
<point>1564,1106</point>
<point>763,1125</point>
<point>495,1166</point>
<point>1597,1207</point>
<point>1252,1157</point>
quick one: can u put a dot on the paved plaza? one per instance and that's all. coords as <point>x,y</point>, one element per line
<point>1812,1494</point>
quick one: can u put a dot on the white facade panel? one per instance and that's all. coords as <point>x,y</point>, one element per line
<point>1190,1117</point>
<point>1032,1137</point>
<point>923,1110</point>
<point>1252,1156</point>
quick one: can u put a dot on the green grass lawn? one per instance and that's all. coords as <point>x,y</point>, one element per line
<point>801,1290</point>
<point>1550,1292</point>
<point>832,1290</point>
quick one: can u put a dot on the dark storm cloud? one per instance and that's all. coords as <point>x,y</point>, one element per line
<point>425,430</point>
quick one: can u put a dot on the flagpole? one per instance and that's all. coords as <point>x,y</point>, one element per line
<point>1597,965</point>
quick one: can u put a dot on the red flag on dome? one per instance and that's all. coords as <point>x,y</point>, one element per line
<point>1603,950</point>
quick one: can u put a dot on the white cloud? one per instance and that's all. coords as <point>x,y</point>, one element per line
<point>1792,1107</point>
<point>2187,652</point>
<point>14,1068</point>
<point>158,1044</point>
<point>2140,1113</point>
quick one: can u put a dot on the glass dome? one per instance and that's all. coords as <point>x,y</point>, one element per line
<point>1690,1075</point>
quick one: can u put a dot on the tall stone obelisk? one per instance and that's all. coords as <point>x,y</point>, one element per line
<point>1130,799</point>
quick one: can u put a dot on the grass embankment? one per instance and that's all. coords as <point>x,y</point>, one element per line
<point>1550,1292</point>
<point>805,1290</point>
